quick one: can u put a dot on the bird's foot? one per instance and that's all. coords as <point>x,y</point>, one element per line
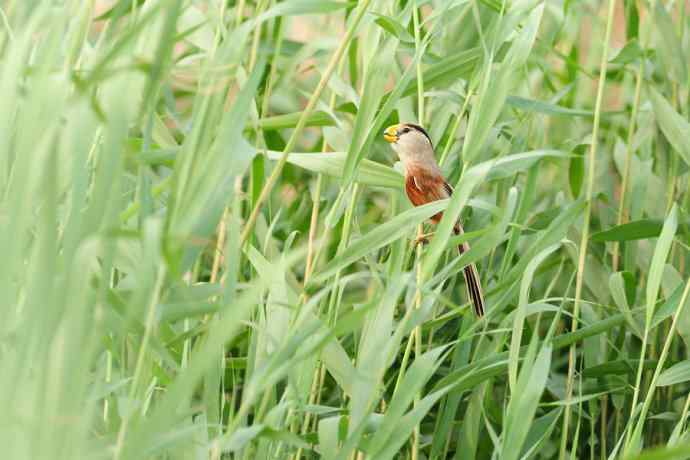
<point>423,238</point>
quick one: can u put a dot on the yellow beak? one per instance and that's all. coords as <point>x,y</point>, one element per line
<point>390,134</point>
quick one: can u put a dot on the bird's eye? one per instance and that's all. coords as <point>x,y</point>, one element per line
<point>405,130</point>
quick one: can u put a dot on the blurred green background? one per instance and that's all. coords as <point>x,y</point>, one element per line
<point>207,251</point>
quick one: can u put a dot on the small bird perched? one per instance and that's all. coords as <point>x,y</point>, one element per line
<point>424,183</point>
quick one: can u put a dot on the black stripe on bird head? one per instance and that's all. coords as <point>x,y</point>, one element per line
<point>420,129</point>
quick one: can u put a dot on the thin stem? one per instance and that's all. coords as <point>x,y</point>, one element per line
<point>454,129</point>
<point>417,333</point>
<point>602,428</point>
<point>220,243</point>
<point>660,364</point>
<point>684,414</point>
<point>312,257</point>
<point>257,35</point>
<point>585,228</point>
<point>313,223</point>
<point>239,14</point>
<point>332,312</point>
<point>316,203</point>
<point>301,123</point>
<point>420,81</point>
<point>148,328</point>
<point>274,68</point>
<point>673,166</point>
<point>622,209</point>
<point>403,363</point>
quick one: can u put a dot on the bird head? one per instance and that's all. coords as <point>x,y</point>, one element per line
<point>410,142</point>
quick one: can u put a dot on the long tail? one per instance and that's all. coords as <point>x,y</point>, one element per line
<point>474,286</point>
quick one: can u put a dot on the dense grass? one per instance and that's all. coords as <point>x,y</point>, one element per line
<point>207,251</point>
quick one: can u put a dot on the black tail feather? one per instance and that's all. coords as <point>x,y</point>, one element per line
<point>474,287</point>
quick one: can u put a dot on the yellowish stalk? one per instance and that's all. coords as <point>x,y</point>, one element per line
<point>660,363</point>
<point>585,227</point>
<point>301,123</point>
<point>622,209</point>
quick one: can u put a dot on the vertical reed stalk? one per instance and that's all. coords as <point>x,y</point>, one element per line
<point>584,240</point>
<point>301,123</point>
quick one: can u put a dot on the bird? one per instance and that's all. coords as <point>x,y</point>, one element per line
<point>424,183</point>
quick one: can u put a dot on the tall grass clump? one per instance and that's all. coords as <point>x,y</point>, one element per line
<point>207,251</point>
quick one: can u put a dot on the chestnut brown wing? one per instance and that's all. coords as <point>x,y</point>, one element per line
<point>422,188</point>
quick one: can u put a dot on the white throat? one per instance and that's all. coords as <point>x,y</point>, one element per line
<point>416,156</point>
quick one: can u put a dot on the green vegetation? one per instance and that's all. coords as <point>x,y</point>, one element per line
<point>207,251</point>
